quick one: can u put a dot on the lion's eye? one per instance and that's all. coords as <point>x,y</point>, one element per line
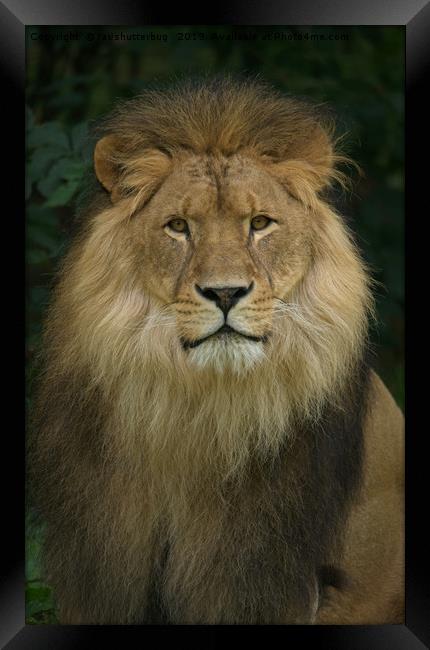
<point>178,225</point>
<point>260,222</point>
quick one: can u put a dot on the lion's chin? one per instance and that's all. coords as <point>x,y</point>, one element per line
<point>222,354</point>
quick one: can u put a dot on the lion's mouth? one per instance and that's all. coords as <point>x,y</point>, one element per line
<point>223,332</point>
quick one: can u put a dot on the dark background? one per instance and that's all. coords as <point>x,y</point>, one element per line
<point>358,71</point>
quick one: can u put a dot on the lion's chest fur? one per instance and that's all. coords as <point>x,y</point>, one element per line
<point>248,549</point>
<point>231,554</point>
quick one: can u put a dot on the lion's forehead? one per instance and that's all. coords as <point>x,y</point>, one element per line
<point>205,185</point>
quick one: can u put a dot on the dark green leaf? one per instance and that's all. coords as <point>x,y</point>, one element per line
<point>79,136</point>
<point>48,134</point>
<point>40,161</point>
<point>63,194</point>
<point>74,171</point>
<point>42,238</point>
<point>37,256</point>
<point>55,176</point>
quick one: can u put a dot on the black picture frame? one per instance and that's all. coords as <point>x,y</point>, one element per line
<point>14,16</point>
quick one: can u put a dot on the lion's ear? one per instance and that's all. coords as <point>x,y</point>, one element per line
<point>310,166</point>
<point>106,164</point>
<point>318,153</point>
<point>126,174</point>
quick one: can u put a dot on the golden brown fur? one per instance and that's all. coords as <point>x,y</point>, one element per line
<point>208,481</point>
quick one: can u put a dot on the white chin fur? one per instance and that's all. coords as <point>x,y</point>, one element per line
<point>221,354</point>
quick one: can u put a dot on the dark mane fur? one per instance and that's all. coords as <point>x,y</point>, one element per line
<point>322,468</point>
<point>213,115</point>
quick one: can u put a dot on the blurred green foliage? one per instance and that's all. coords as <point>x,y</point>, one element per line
<point>39,601</point>
<point>75,75</point>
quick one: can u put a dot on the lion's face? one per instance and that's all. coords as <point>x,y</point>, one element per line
<point>220,242</point>
<point>214,247</point>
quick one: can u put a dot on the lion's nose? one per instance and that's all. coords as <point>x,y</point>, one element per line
<point>224,297</point>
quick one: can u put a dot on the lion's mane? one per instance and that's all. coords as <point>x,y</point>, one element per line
<point>171,495</point>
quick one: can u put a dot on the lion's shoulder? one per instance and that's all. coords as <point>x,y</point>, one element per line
<point>373,557</point>
<point>383,437</point>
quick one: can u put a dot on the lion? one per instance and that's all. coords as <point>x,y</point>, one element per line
<point>210,444</point>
